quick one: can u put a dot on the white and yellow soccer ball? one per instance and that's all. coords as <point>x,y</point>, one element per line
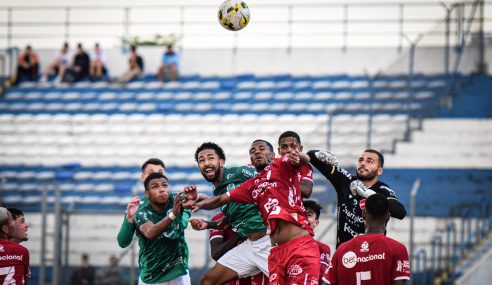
<point>233,15</point>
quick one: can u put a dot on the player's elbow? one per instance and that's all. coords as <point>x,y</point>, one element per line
<point>150,235</point>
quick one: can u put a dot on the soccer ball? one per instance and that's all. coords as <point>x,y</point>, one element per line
<point>233,14</point>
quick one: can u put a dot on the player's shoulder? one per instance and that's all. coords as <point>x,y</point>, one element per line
<point>323,247</point>
<point>12,246</point>
<point>384,189</point>
<point>393,242</point>
<point>244,170</point>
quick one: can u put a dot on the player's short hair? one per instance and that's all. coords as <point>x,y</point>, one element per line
<point>289,134</point>
<point>15,213</point>
<point>313,205</point>
<point>270,146</point>
<point>153,175</point>
<point>210,145</point>
<point>377,205</point>
<point>4,216</point>
<point>380,156</point>
<point>153,161</point>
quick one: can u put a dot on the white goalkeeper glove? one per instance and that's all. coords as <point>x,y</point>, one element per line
<point>359,189</point>
<point>327,157</point>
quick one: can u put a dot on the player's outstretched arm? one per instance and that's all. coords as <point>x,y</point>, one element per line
<point>324,161</point>
<point>127,230</point>
<point>152,231</point>
<point>212,203</point>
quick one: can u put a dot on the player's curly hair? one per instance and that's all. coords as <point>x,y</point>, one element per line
<point>210,145</point>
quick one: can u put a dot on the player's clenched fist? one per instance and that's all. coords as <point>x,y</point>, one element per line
<point>198,224</point>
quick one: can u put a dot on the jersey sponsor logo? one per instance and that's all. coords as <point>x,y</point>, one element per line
<point>344,172</point>
<point>231,187</point>
<point>364,247</point>
<point>352,217</point>
<point>11,257</point>
<point>349,259</point>
<point>346,228</point>
<point>272,207</point>
<point>403,266</point>
<point>248,173</point>
<point>272,278</point>
<point>362,204</point>
<point>294,270</point>
<point>325,257</point>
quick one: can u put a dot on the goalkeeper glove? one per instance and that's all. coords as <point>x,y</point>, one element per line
<point>358,188</point>
<point>327,157</point>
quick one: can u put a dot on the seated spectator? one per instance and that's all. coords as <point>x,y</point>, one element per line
<point>80,67</point>
<point>169,65</point>
<point>84,273</point>
<point>111,274</point>
<point>98,63</point>
<point>59,65</point>
<point>27,66</point>
<point>135,64</point>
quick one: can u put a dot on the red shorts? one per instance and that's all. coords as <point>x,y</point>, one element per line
<point>295,262</point>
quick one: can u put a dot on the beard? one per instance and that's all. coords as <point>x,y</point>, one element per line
<point>216,175</point>
<point>367,177</point>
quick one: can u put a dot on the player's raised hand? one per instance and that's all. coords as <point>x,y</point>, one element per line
<point>191,193</point>
<point>327,157</point>
<point>177,203</point>
<point>358,188</point>
<point>132,208</point>
<point>294,157</point>
<point>198,224</point>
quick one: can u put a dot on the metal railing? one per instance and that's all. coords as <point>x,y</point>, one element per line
<point>304,24</point>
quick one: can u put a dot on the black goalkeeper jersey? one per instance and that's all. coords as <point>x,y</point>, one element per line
<point>349,214</point>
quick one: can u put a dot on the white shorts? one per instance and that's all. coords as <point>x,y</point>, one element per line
<point>181,280</point>
<point>249,258</point>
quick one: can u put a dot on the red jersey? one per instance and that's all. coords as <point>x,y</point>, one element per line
<point>14,263</point>
<point>219,233</point>
<point>324,253</point>
<point>306,172</point>
<point>374,258</point>
<point>275,190</point>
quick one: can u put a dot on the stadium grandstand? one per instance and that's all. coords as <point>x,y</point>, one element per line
<point>408,78</point>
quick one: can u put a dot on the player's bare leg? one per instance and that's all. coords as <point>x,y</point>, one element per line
<point>219,274</point>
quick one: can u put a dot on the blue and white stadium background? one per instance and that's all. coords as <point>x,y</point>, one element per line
<point>409,78</point>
